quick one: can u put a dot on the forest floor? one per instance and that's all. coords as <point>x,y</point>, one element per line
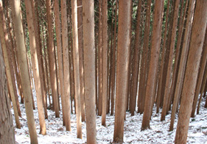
<point>159,134</point>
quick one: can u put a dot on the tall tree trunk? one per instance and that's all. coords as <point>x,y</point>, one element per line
<point>22,58</point>
<point>182,66</point>
<point>76,66</point>
<point>113,66</point>
<point>141,98</point>
<point>100,46</point>
<point>123,52</point>
<point>135,66</point>
<point>8,66</point>
<point>105,54</point>
<point>66,74</point>
<point>60,53</point>
<point>170,63</point>
<point>80,44</point>
<point>197,40</point>
<point>6,127</point>
<point>35,66</point>
<point>51,53</point>
<point>89,69</point>
<point>151,81</point>
<point>162,60</point>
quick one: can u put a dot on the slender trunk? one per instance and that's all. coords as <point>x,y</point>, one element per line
<point>104,57</point>
<point>122,67</point>
<point>51,54</point>
<point>22,58</point>
<point>151,81</point>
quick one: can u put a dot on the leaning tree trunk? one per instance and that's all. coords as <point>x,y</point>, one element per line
<point>184,55</point>
<point>6,122</point>
<point>123,52</point>
<point>35,66</point>
<point>22,58</point>
<point>195,50</point>
<point>89,69</point>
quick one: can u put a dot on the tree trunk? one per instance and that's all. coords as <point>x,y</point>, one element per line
<point>122,67</point>
<point>135,72</point>
<point>170,59</point>
<point>35,66</point>
<point>197,40</point>
<point>200,76</point>
<point>80,44</point>
<point>22,58</point>
<point>141,98</point>
<point>105,54</point>
<point>51,54</point>
<point>76,66</point>
<point>66,74</point>
<point>151,81</point>
<point>89,69</point>
<point>8,66</point>
<point>182,66</point>
<point>100,46</point>
<point>6,122</point>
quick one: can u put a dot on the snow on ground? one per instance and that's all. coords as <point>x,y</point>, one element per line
<point>158,133</point>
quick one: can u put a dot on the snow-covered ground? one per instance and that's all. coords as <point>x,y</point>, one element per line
<point>159,134</point>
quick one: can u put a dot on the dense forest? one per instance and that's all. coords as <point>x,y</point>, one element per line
<point>82,60</point>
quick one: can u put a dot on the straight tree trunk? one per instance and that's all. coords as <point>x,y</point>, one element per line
<point>89,69</point>
<point>6,122</point>
<point>100,45</point>
<point>189,86</point>
<point>169,68</point>
<point>113,66</point>
<point>141,98</point>
<point>80,44</point>
<point>76,66</point>
<point>22,58</point>
<point>155,48</point>
<point>35,66</point>
<point>60,54</point>
<point>105,54</point>
<point>8,68</point>
<point>135,66</point>
<point>122,67</point>
<point>51,54</point>
<point>66,74</point>
<point>162,60</point>
<point>182,66</point>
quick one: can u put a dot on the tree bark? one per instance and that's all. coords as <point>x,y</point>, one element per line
<point>22,58</point>
<point>51,54</point>
<point>197,40</point>
<point>105,54</point>
<point>35,66</point>
<point>122,67</point>
<point>89,69</point>
<point>155,48</point>
<point>182,66</point>
<point>6,122</point>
